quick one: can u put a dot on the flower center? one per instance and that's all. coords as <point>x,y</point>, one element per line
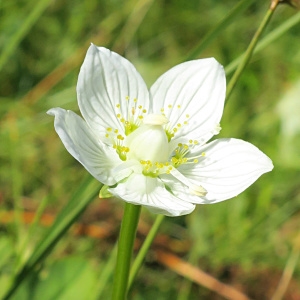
<point>149,145</point>
<point>149,142</point>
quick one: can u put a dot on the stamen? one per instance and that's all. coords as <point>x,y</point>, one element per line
<point>197,190</point>
<point>155,169</point>
<point>193,189</point>
<point>217,129</point>
<point>171,132</point>
<point>134,114</point>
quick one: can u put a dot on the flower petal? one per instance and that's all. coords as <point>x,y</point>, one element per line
<point>83,145</point>
<point>227,169</point>
<point>151,192</point>
<point>192,97</point>
<point>107,86</point>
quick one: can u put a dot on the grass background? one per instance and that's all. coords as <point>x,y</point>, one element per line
<point>245,242</point>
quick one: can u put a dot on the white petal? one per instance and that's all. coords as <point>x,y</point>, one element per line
<point>83,145</point>
<point>227,169</point>
<point>151,192</point>
<point>194,92</point>
<point>105,81</point>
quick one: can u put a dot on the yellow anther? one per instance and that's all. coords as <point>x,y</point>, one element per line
<point>140,117</point>
<point>162,109</point>
<point>187,116</point>
<point>170,106</point>
<point>185,122</point>
<point>195,160</point>
<point>107,135</point>
<point>118,105</point>
<point>127,97</point>
<point>178,125</point>
<point>116,131</point>
<point>178,106</point>
<point>108,129</point>
<point>144,111</point>
<point>174,160</point>
<point>134,100</point>
<point>140,106</point>
<point>186,147</point>
<point>118,116</point>
<point>203,154</point>
<point>179,145</point>
<point>119,137</point>
<point>122,120</point>
<point>191,141</point>
<point>196,142</point>
<point>175,129</point>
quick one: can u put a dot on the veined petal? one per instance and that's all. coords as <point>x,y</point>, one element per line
<point>83,145</point>
<point>109,86</point>
<point>192,97</point>
<point>226,168</point>
<point>151,192</point>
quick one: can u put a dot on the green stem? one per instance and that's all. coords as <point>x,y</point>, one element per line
<point>250,49</point>
<point>218,28</point>
<point>125,248</point>
<point>144,249</point>
<point>267,40</point>
<point>34,13</point>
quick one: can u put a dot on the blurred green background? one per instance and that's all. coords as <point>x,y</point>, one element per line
<point>245,242</point>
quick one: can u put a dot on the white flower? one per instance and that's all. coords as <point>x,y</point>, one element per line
<point>150,147</point>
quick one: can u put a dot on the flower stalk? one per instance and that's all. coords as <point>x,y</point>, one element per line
<point>144,249</point>
<point>125,248</point>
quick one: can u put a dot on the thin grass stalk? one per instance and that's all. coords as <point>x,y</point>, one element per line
<point>249,52</point>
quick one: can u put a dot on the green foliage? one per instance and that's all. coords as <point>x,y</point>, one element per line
<point>254,231</point>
